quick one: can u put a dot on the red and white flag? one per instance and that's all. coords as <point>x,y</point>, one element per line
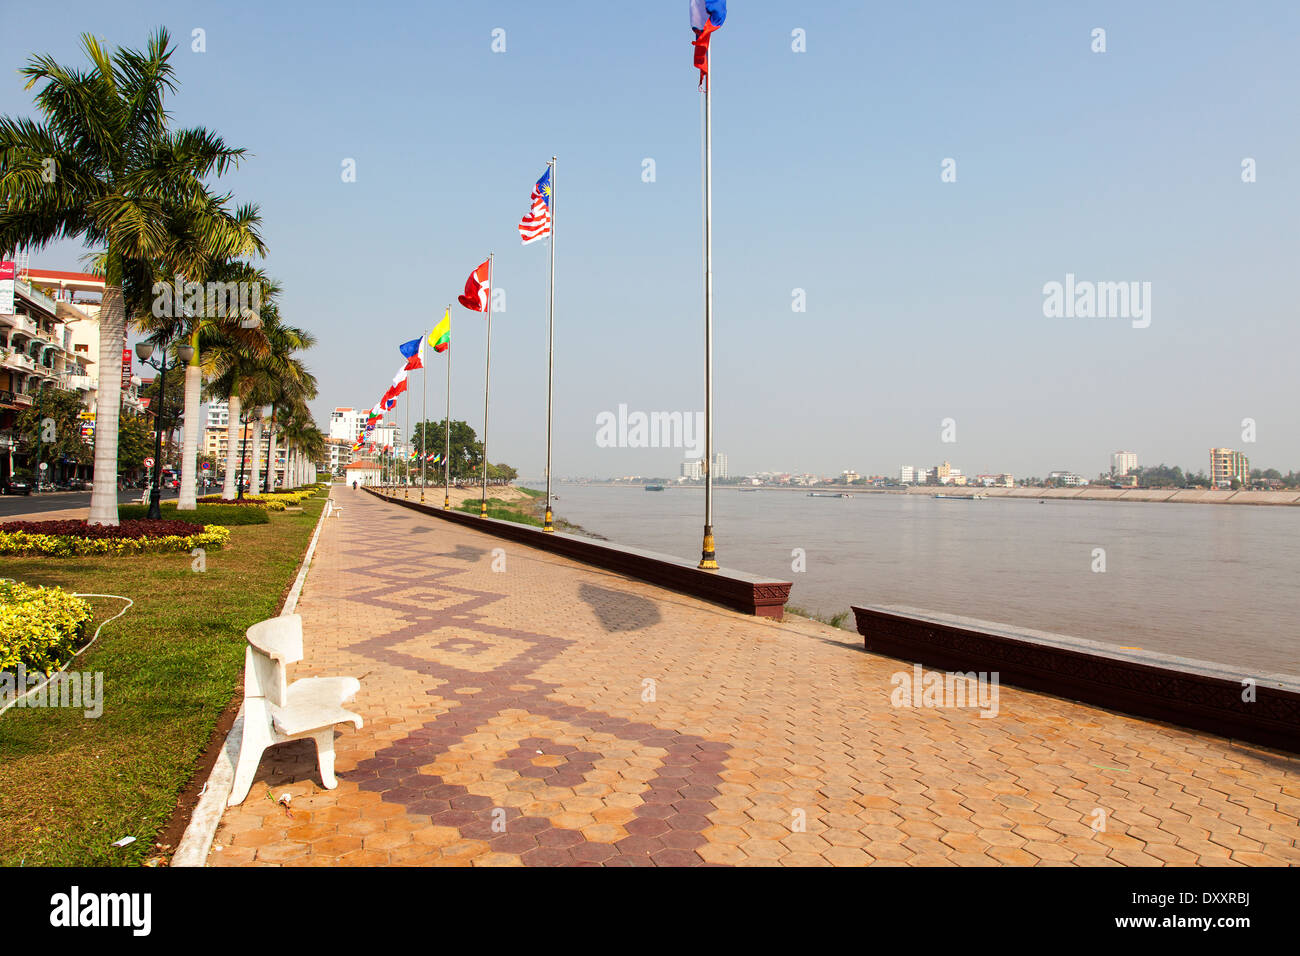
<point>478,289</point>
<point>537,224</point>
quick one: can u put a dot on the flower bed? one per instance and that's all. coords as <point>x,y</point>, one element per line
<point>283,498</point>
<point>63,538</point>
<point>40,628</point>
<point>250,500</point>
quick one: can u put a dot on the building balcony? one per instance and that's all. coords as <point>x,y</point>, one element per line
<point>81,383</point>
<point>18,360</point>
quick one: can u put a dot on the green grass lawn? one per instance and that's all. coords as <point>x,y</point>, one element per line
<point>70,786</point>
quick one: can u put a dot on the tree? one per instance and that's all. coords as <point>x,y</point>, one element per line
<point>50,430</point>
<point>466,449</point>
<point>126,185</point>
<point>209,326</point>
<point>134,441</point>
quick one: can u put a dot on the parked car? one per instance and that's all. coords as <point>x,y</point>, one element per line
<point>14,486</point>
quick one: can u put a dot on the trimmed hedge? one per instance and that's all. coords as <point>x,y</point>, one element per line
<point>69,538</point>
<point>40,628</point>
<point>223,514</point>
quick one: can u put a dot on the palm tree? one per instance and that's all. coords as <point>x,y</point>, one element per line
<point>305,442</point>
<point>287,393</point>
<point>210,337</point>
<point>242,376</point>
<point>127,186</point>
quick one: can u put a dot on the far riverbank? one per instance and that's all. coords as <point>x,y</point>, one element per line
<point>1177,495</point>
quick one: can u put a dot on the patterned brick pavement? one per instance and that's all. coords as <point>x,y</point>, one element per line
<point>551,714</point>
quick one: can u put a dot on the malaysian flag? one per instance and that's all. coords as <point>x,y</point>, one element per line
<point>537,224</point>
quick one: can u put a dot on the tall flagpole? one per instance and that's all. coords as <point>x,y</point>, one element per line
<point>424,413</point>
<point>487,377</point>
<point>446,426</point>
<point>547,525</point>
<point>708,557</point>
<point>407,482</point>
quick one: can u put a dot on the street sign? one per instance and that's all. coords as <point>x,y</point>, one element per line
<point>206,466</point>
<point>148,462</point>
<point>45,465</point>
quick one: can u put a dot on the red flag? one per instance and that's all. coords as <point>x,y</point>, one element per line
<point>477,289</point>
<point>701,44</point>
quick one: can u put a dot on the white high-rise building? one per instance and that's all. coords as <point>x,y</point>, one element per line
<point>693,468</point>
<point>347,423</point>
<point>218,416</point>
<point>1123,462</point>
<point>719,464</point>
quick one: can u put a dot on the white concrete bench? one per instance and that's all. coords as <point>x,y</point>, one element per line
<point>276,711</point>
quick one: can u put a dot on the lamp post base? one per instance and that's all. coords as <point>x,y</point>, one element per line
<point>708,557</point>
<point>546,524</point>
<point>482,509</point>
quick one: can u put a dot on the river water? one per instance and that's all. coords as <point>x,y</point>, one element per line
<point>1218,583</point>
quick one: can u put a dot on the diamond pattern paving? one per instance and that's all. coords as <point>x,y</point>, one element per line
<point>551,714</point>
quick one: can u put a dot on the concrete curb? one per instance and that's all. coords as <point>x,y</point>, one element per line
<point>196,842</point>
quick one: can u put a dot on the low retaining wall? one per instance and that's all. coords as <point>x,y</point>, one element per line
<point>1190,693</point>
<point>747,593</point>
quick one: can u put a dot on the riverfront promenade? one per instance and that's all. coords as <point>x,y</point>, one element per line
<point>549,713</point>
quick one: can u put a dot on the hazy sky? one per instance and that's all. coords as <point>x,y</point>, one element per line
<point>924,298</point>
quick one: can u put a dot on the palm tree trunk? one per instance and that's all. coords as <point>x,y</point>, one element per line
<point>108,407</point>
<point>228,490</point>
<point>255,439</point>
<point>270,458</point>
<point>190,442</point>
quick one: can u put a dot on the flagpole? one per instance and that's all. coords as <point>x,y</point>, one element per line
<point>407,478</point>
<point>547,525</point>
<point>487,376</point>
<point>708,557</point>
<point>424,414</point>
<point>446,426</point>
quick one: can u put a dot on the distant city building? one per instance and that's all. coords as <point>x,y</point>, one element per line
<point>1067,478</point>
<point>719,464</point>
<point>339,451</point>
<point>347,423</point>
<point>1123,462</point>
<point>849,476</point>
<point>910,475</point>
<point>693,468</point>
<point>1225,465</point>
<point>943,471</point>
<point>218,415</point>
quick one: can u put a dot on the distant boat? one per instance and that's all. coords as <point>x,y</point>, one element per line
<point>961,497</point>
<point>748,491</point>
<point>823,494</point>
<point>654,487</point>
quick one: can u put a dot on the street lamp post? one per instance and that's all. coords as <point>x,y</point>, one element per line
<point>143,351</point>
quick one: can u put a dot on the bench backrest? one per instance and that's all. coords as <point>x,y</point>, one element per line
<point>272,645</point>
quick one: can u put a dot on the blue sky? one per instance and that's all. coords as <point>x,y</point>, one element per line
<point>924,298</point>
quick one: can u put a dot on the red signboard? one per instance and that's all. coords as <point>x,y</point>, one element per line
<point>126,369</point>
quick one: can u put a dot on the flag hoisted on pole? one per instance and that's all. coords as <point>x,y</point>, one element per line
<point>706,17</point>
<point>478,298</point>
<point>537,224</point>
<point>414,352</point>
<point>440,337</point>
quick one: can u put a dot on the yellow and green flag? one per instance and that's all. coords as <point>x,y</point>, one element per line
<point>440,337</point>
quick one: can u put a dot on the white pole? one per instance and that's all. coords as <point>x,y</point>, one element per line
<point>487,377</point>
<point>708,556</point>
<point>547,524</point>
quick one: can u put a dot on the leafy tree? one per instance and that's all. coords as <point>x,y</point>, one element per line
<point>50,430</point>
<point>134,441</point>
